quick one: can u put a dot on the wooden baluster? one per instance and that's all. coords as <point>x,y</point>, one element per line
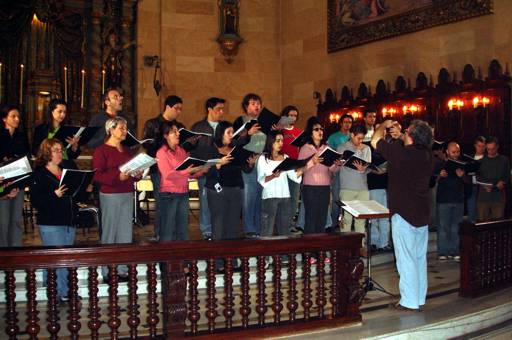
<point>11,327</point>
<point>306,290</point>
<point>152,318</point>
<point>334,283</point>
<point>74,304</point>
<point>113,309</point>
<point>194,314</point>
<point>277,295</point>
<point>53,326</point>
<point>229,299</point>
<point>321,301</point>
<point>245,309</point>
<point>133,307</point>
<point>32,312</point>
<point>292,287</point>
<point>174,304</point>
<point>211,301</point>
<point>261,301</point>
<point>94,323</point>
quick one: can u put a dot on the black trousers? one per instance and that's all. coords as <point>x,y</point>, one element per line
<point>316,202</point>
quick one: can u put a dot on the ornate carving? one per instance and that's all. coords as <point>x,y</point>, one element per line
<point>341,36</point>
<point>228,38</point>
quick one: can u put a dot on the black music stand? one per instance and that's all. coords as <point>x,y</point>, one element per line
<point>369,283</point>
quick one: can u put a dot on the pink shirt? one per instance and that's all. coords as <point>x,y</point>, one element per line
<point>316,174</point>
<point>172,180</point>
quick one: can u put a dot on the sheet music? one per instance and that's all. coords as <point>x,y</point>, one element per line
<point>77,134</point>
<point>357,208</point>
<point>17,168</point>
<point>484,184</point>
<point>140,162</point>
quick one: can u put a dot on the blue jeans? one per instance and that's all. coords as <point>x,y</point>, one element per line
<point>411,261</point>
<point>155,179</point>
<point>205,220</point>
<point>380,226</point>
<point>174,216</point>
<point>58,235</point>
<point>294,196</point>
<point>450,215</point>
<point>251,209</point>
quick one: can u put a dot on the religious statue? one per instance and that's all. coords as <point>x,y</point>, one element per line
<point>112,53</point>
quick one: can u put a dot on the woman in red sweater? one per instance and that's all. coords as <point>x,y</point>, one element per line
<point>116,188</point>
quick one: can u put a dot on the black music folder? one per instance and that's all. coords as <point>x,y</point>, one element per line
<point>68,131</point>
<point>240,155</point>
<point>267,119</point>
<point>20,182</point>
<point>349,157</point>
<point>132,141</point>
<point>329,156</point>
<point>195,162</point>
<point>292,164</point>
<point>76,180</point>
<point>246,126</point>
<point>472,165</point>
<point>186,134</point>
<point>300,140</point>
<point>439,145</point>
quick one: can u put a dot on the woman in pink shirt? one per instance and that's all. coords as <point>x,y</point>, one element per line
<point>173,207</point>
<point>316,181</point>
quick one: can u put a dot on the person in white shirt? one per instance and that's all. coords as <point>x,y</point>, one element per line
<point>276,201</point>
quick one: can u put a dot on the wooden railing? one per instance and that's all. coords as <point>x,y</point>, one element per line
<point>486,257</point>
<point>298,297</point>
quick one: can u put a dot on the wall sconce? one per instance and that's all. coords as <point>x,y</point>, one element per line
<point>388,111</point>
<point>151,61</point>
<point>480,101</point>
<point>229,39</point>
<point>455,103</point>
<point>334,118</point>
<point>412,109</point>
<point>356,114</point>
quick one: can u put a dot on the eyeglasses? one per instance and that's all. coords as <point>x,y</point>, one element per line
<point>318,129</point>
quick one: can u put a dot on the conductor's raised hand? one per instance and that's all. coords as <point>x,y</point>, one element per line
<point>59,192</point>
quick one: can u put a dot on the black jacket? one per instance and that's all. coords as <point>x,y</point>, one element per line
<point>204,148</point>
<point>41,133</point>
<point>14,146</point>
<point>51,210</point>
<point>99,120</point>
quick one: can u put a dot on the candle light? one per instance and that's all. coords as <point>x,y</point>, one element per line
<point>65,84</point>
<point>83,90</point>
<point>102,82</point>
<point>22,67</point>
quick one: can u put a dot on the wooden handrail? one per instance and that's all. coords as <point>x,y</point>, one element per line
<point>336,285</point>
<point>486,257</point>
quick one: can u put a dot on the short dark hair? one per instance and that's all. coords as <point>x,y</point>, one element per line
<point>212,102</point>
<point>219,132</point>
<point>358,128</point>
<point>107,91</point>
<point>52,106</point>
<point>480,139</point>
<point>312,121</point>
<point>367,111</point>
<point>287,109</point>
<point>492,139</point>
<point>172,100</point>
<point>346,115</point>
<point>248,97</point>
<point>421,133</point>
<point>8,108</point>
<point>164,130</point>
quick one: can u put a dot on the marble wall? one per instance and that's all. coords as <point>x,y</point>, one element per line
<point>284,57</point>
<point>183,34</point>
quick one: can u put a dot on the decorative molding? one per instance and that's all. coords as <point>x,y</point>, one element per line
<point>340,37</point>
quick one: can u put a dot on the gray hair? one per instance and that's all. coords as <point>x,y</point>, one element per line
<point>112,123</point>
<point>421,133</point>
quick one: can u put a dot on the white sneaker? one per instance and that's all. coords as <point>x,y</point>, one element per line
<point>442,258</point>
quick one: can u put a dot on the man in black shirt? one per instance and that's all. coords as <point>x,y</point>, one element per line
<point>409,169</point>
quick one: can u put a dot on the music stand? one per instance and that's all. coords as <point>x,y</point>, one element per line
<point>367,210</point>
